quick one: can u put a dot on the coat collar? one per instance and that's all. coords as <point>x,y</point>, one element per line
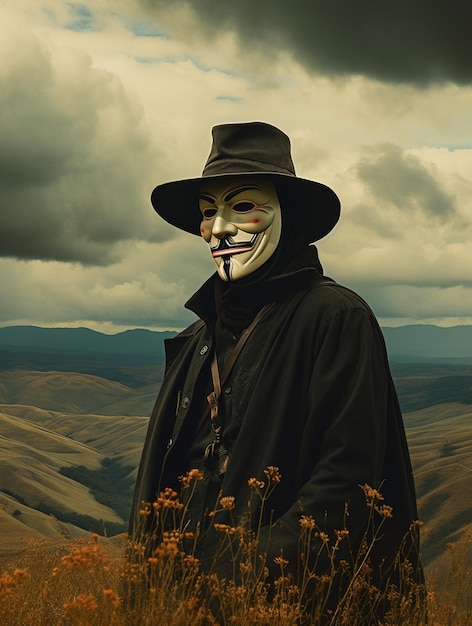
<point>202,303</point>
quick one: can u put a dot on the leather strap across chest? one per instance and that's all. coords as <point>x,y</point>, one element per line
<point>219,381</point>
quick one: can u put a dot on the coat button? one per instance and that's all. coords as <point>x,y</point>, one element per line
<point>204,350</point>
<point>185,402</point>
<point>227,390</point>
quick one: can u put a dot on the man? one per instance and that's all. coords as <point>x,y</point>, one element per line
<point>307,387</point>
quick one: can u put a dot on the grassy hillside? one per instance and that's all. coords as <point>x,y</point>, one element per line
<point>418,392</point>
<point>31,458</point>
<point>69,447</point>
<point>65,436</point>
<point>440,441</point>
<point>73,392</point>
<point>82,473</point>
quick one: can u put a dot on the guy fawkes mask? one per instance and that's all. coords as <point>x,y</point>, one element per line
<point>241,222</point>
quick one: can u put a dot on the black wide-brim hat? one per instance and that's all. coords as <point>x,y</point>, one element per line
<point>251,149</point>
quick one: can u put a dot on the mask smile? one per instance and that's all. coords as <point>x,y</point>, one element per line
<point>227,246</point>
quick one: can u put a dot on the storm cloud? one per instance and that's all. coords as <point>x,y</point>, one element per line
<point>400,179</point>
<point>101,101</point>
<point>402,41</point>
<point>75,160</point>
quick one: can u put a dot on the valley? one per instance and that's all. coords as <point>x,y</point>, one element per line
<point>70,442</point>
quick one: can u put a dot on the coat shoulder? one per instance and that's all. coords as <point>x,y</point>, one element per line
<point>331,298</point>
<point>183,341</point>
<point>191,330</point>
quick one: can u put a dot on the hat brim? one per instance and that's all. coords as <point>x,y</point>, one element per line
<point>319,207</point>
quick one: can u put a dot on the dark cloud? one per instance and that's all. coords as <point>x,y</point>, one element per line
<point>75,160</point>
<point>382,223</point>
<point>401,180</point>
<point>403,41</point>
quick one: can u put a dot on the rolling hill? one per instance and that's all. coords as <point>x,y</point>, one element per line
<point>73,425</point>
<point>440,442</point>
<point>59,432</point>
<point>74,392</point>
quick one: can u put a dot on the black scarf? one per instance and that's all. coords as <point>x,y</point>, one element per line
<point>238,302</point>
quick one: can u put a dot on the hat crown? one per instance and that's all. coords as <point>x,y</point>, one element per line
<point>249,147</point>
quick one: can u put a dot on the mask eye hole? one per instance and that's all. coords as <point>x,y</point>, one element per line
<point>243,207</point>
<point>209,213</point>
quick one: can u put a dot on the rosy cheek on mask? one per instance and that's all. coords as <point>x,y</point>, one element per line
<point>205,231</point>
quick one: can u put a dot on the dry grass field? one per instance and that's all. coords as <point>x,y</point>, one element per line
<point>99,582</point>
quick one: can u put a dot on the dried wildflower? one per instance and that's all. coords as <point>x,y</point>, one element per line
<point>406,568</point>
<point>372,495</point>
<point>323,536</point>
<point>307,521</point>
<point>416,524</point>
<point>190,476</point>
<point>431,597</point>
<point>341,534</point>
<point>227,503</point>
<point>384,510</point>
<point>139,547</point>
<point>273,474</point>
<point>6,583</point>
<point>168,499</point>
<point>21,574</point>
<point>111,597</point>
<point>169,548</point>
<point>172,535</point>
<point>223,528</point>
<point>280,561</point>
<point>145,509</point>
<point>83,602</point>
<point>324,579</point>
<point>246,568</point>
<point>255,484</point>
<point>84,556</point>
<point>235,531</point>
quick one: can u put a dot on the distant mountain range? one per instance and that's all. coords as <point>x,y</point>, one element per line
<point>84,340</point>
<point>424,341</point>
<point>404,343</point>
<point>84,350</point>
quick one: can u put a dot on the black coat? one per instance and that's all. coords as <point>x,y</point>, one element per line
<point>312,394</point>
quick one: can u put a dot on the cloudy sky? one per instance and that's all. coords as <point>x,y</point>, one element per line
<point>101,100</point>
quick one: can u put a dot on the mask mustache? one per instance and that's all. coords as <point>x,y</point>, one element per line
<point>227,246</point>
